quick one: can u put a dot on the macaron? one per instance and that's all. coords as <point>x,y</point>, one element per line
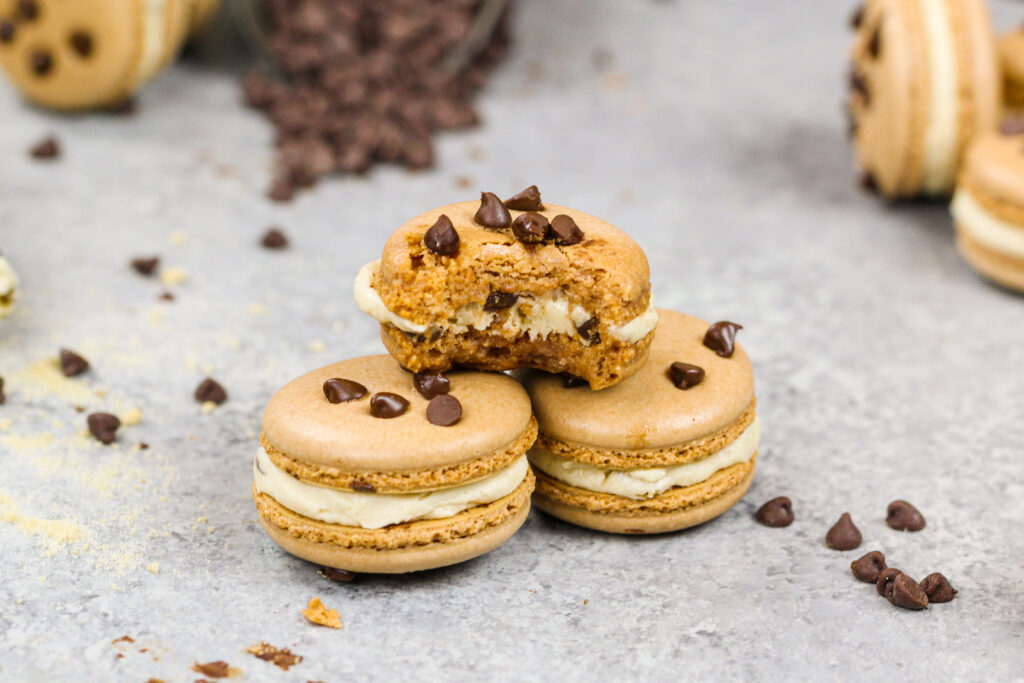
<point>671,447</point>
<point>8,287</point>
<point>988,206</point>
<point>924,79</point>
<point>90,53</point>
<point>359,470</point>
<point>1011,59</point>
<point>501,285</point>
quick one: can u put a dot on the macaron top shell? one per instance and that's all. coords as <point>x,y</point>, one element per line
<point>300,421</point>
<point>647,410</point>
<point>995,165</point>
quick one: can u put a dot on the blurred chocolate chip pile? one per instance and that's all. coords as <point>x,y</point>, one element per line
<point>369,81</point>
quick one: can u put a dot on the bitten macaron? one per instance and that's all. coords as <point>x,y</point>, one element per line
<point>8,287</point>
<point>988,206</point>
<point>924,80</point>
<point>359,470</point>
<point>671,447</point>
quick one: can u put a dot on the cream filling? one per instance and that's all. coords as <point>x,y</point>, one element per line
<point>537,316</point>
<point>377,510</point>
<point>154,39</point>
<point>647,483</point>
<point>8,285</point>
<point>941,133</point>
<point>986,229</point>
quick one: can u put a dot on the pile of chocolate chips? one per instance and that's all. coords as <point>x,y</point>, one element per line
<point>363,83</point>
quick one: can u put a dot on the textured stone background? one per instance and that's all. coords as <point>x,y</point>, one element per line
<point>885,369</point>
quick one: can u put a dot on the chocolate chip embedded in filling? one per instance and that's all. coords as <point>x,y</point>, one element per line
<point>338,390</point>
<point>7,31</point>
<point>572,381</point>
<point>362,486</point>
<point>499,301</point>
<point>588,331</point>
<point>685,375</point>
<point>41,62</point>
<point>492,214</point>
<point>442,238</point>
<point>388,405</point>
<point>527,200</point>
<point>81,43</point>
<point>564,231</point>
<point>531,228</point>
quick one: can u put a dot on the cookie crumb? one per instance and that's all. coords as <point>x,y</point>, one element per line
<point>317,613</point>
<point>218,669</point>
<point>153,567</point>
<point>280,657</point>
<point>173,276</point>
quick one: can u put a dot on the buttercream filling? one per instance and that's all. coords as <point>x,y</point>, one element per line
<point>8,285</point>
<point>377,510</point>
<point>646,483</point>
<point>988,230</point>
<point>535,315</point>
<point>942,129</point>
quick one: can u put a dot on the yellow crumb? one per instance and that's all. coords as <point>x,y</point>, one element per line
<point>209,407</point>
<point>178,237</point>
<point>207,369</point>
<point>173,276</point>
<point>317,613</point>
<point>5,424</point>
<point>132,417</point>
<point>257,309</point>
<point>43,378</point>
<point>337,327</point>
<point>317,346</point>
<point>153,567</point>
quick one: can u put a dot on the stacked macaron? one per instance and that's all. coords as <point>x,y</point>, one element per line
<point>366,466</point>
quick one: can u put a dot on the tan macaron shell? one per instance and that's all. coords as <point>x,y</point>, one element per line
<point>1011,58</point>
<point>300,422</point>
<point>647,411</point>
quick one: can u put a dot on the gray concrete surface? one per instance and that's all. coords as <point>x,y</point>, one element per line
<point>885,370</point>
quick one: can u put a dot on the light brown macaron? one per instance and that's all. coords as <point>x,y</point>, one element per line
<point>988,206</point>
<point>449,291</point>
<point>924,80</point>
<point>90,53</point>
<point>646,455</point>
<point>1011,59</point>
<point>395,483</point>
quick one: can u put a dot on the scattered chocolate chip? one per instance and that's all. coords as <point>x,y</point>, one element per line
<point>843,535</point>
<point>572,381</point>
<point>868,182</point>
<point>363,486</point>
<point>565,231</point>
<point>589,332</point>
<point>145,265</point>
<point>335,574</point>
<point>499,301</point>
<point>686,375</point>
<point>903,516</point>
<point>777,512</point>
<point>721,338</point>
<point>281,190</point>
<point>527,200</point>
<point>143,446</point>
<point>339,390</point>
<point>46,149</point>
<point>166,296</point>
<point>442,238</point>
<point>1012,125</point>
<point>274,239</point>
<point>859,85</point>
<point>28,9</point>
<point>492,214</point>
<point>210,390</point>
<point>857,18</point>
<point>7,31</point>
<point>867,567</point>
<point>444,410</point>
<point>2,396</point>
<point>904,592</point>
<point>72,364</point>
<point>431,384</point>
<point>81,43</point>
<point>938,588</point>
<point>103,426</point>
<point>885,578</point>
<point>40,61</point>
<point>218,669</point>
<point>530,228</point>
<point>875,42</point>
<point>387,405</point>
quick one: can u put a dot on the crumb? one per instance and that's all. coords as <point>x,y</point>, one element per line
<point>318,613</point>
<point>463,182</point>
<point>173,276</point>
<point>178,237</point>
<point>257,309</point>
<point>153,567</point>
<point>123,639</point>
<point>282,657</point>
<point>585,602</point>
<point>317,346</point>
<point>209,407</point>
<point>218,669</point>
<point>337,327</point>
<point>132,417</point>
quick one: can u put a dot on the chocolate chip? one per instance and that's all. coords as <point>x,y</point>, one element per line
<point>218,669</point>
<point>1012,125</point>
<point>103,426</point>
<point>387,405</point>
<point>885,578</point>
<point>565,231</point>
<point>843,535</point>
<point>441,238</point>
<point>274,239</point>
<point>40,61</point>
<point>938,588</point>
<point>499,301</point>
<point>7,31</point>
<point>721,338</point>
<point>589,332</point>
<point>431,384</point>
<point>81,43</point>
<point>904,592</point>
<point>868,567</point>
<point>145,265</point>
<point>868,182</point>
<point>777,512</point>
<point>72,364</point>
<point>363,486</point>
<point>339,390</point>
<point>527,200</point>
<point>46,149</point>
<point>903,516</point>
<point>444,410</point>
<point>492,214</point>
<point>875,42</point>
<point>210,390</point>
<point>530,228</point>
<point>572,381</point>
<point>336,574</point>
<point>3,398</point>
<point>28,9</point>
<point>166,296</point>
<point>686,375</point>
<point>859,85</point>
<point>857,18</point>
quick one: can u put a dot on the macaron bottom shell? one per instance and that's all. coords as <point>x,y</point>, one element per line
<point>1002,269</point>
